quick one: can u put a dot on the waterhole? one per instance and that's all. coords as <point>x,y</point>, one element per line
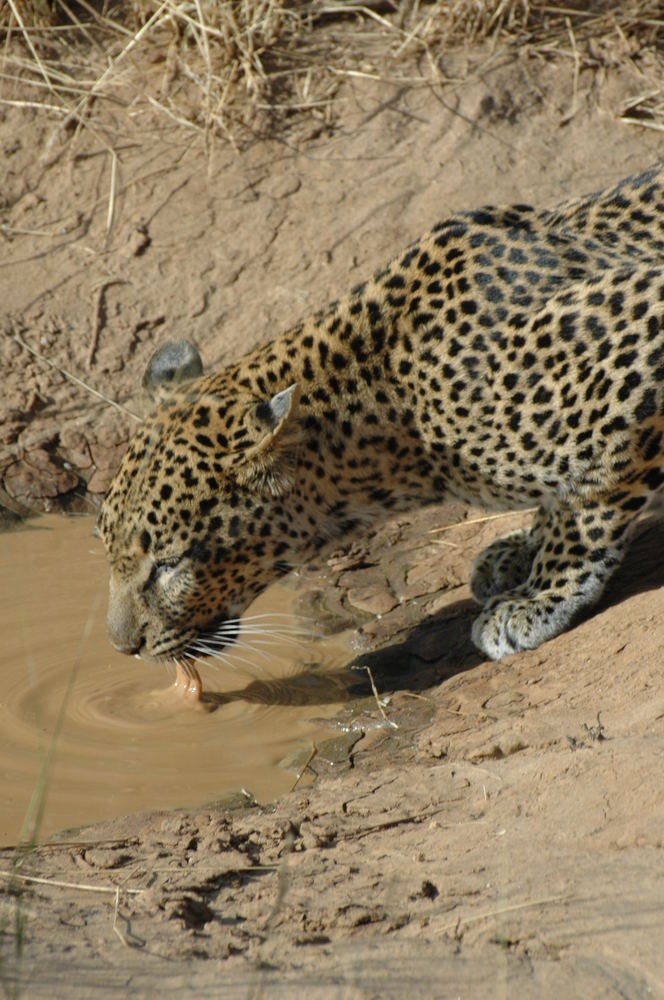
<point>87,733</point>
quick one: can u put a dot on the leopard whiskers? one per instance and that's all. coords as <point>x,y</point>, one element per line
<point>266,618</point>
<point>231,635</point>
<point>233,655</point>
<point>275,625</point>
<point>245,640</point>
<point>229,660</point>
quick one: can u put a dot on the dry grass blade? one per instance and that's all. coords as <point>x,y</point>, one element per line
<point>481,520</point>
<point>314,751</point>
<point>388,722</point>
<point>28,41</point>
<point>646,110</point>
<point>232,68</point>
<point>59,884</point>
<point>74,378</point>
<point>500,911</point>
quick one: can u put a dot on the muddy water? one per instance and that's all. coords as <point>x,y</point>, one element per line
<point>124,739</point>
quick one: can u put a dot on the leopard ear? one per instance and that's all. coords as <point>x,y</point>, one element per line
<point>174,363</point>
<point>268,462</point>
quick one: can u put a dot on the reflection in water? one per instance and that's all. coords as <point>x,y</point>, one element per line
<point>128,741</point>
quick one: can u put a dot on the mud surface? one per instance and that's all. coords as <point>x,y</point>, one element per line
<point>506,838</point>
<point>124,736</point>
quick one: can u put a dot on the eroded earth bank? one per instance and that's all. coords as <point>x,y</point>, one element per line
<point>501,832</point>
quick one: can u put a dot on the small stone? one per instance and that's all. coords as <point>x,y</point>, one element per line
<point>100,480</point>
<point>448,598</point>
<point>108,858</point>
<point>428,890</point>
<point>375,600</point>
<point>137,242</point>
<point>353,557</point>
<point>29,202</point>
<point>11,431</point>
<point>430,574</point>
<point>315,835</point>
<point>74,448</point>
<point>381,629</point>
<point>364,576</point>
<point>38,478</point>
<point>110,432</point>
<point>107,458</point>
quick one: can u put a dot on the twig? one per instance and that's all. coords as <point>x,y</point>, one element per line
<point>57,845</point>
<point>96,326</point>
<point>314,751</point>
<point>34,104</point>
<point>389,824</point>
<point>116,929</point>
<point>544,901</point>
<point>643,123</point>
<point>420,697</point>
<point>98,318</point>
<point>283,880</point>
<point>28,41</point>
<point>176,118</point>
<point>75,379</point>
<point>481,520</point>
<point>389,722</point>
<point>134,40</point>
<point>111,192</point>
<point>66,885</point>
<point>577,69</point>
<point>11,231</point>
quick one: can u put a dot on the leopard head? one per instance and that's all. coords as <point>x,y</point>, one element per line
<point>203,512</point>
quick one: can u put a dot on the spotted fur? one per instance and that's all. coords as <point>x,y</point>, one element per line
<point>511,357</point>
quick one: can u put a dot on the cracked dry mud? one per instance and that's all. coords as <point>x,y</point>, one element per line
<point>502,840</point>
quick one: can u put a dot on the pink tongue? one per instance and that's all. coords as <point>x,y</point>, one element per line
<point>188,681</point>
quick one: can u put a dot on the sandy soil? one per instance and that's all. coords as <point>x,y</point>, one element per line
<point>506,838</point>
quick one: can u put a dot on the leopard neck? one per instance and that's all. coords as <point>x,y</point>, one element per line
<point>361,451</point>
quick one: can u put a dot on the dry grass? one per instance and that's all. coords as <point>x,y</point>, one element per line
<point>233,67</point>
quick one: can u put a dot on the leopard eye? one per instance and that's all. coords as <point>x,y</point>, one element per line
<point>166,564</point>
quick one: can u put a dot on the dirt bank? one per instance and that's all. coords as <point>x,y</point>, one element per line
<point>506,838</point>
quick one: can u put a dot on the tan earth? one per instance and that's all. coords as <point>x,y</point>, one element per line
<point>501,833</point>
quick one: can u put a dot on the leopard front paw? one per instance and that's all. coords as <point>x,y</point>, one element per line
<point>510,625</point>
<point>503,566</point>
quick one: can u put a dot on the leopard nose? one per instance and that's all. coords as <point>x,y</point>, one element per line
<point>132,649</point>
<point>124,631</point>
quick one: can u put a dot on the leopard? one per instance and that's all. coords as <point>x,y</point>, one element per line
<point>512,357</point>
